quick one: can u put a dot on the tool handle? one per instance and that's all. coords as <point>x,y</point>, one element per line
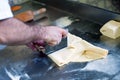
<point>29,15</point>
<point>40,11</point>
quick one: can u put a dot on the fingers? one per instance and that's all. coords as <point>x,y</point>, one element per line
<point>55,35</point>
<point>52,43</point>
<point>54,40</point>
<point>39,43</point>
<point>63,32</point>
<point>31,46</point>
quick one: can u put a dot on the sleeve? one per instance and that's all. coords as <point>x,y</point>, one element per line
<point>5,11</point>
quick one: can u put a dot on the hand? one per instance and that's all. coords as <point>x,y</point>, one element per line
<point>52,35</point>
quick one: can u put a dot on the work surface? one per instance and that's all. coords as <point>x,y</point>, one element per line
<point>21,63</point>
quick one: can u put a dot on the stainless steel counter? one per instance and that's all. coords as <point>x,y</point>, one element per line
<point>21,63</point>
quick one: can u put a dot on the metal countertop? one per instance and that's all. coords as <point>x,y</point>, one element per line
<point>20,63</point>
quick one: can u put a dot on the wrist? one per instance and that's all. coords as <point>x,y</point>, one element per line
<point>38,32</point>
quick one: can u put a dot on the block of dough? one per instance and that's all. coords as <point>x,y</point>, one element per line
<point>78,50</point>
<point>111,29</point>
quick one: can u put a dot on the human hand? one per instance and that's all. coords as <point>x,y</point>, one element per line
<point>51,35</point>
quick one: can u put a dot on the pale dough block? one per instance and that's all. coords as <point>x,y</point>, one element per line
<point>65,55</point>
<point>90,53</point>
<point>111,29</point>
<point>78,50</point>
<point>72,39</point>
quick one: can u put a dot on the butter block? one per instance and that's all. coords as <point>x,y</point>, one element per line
<point>111,29</point>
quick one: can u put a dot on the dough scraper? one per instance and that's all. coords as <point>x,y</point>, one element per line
<point>62,22</point>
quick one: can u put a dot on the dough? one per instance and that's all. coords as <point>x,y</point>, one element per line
<point>78,50</point>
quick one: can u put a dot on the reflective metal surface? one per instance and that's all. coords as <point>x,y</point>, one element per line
<point>85,11</point>
<point>20,63</point>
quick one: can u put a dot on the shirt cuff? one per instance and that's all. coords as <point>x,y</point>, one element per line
<point>5,11</point>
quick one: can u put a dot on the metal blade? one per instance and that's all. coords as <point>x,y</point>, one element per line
<point>51,49</point>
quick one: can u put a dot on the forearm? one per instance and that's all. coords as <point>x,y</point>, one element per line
<point>14,32</point>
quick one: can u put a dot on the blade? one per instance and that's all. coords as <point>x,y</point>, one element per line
<point>51,49</point>
<point>62,22</point>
